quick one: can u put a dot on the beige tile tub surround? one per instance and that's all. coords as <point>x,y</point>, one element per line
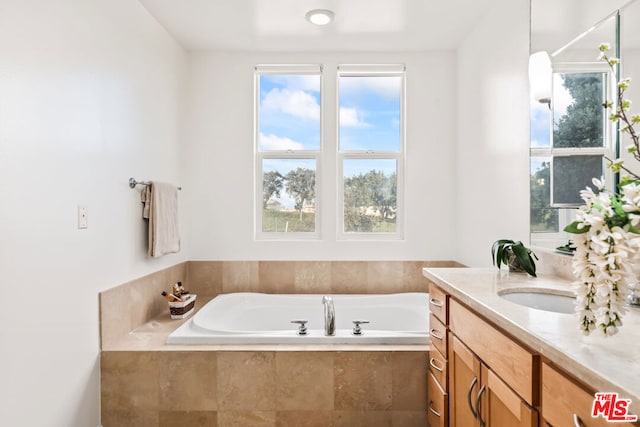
<point>209,278</point>
<point>145,382</point>
<point>132,304</point>
<point>264,388</point>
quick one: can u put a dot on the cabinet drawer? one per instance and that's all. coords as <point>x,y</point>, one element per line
<point>439,304</point>
<point>438,404</point>
<point>562,399</point>
<point>510,361</point>
<point>438,367</point>
<point>437,334</point>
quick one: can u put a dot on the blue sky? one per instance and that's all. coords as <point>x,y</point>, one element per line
<point>370,113</point>
<point>369,117</point>
<point>289,112</point>
<point>540,125</point>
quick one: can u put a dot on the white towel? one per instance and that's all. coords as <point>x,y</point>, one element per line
<point>161,209</point>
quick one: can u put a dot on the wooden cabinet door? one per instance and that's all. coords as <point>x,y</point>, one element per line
<point>464,384</point>
<point>500,406</point>
<point>565,402</point>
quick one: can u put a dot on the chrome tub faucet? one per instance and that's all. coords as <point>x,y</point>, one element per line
<point>329,316</point>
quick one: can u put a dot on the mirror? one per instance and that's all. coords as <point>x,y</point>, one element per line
<point>570,132</point>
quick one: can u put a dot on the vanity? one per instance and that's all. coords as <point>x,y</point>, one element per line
<point>496,362</point>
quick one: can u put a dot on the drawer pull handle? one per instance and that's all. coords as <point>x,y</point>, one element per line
<point>435,302</point>
<point>433,411</point>
<point>577,421</point>
<point>432,362</point>
<point>436,336</point>
<point>473,383</point>
<point>482,389</point>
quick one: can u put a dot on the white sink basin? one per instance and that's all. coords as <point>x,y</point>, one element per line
<point>541,299</point>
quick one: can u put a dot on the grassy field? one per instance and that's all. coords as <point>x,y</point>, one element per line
<point>287,221</point>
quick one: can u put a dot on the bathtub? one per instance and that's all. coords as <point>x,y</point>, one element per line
<point>254,318</point>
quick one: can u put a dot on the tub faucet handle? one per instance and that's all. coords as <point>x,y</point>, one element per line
<point>357,330</point>
<point>302,326</point>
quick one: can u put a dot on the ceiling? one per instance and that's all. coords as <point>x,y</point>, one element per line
<point>280,25</point>
<point>555,23</point>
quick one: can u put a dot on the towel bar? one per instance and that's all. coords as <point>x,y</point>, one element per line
<point>133,183</point>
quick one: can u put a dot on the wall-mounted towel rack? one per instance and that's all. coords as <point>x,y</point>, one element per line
<point>133,183</point>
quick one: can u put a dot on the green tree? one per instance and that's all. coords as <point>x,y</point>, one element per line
<point>301,185</point>
<point>582,125</point>
<point>543,217</point>
<point>357,197</point>
<point>363,193</point>
<point>272,184</point>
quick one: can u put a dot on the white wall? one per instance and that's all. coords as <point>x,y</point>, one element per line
<point>90,94</point>
<point>492,156</point>
<point>219,158</point>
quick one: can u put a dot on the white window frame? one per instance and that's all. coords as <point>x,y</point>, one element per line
<point>260,156</point>
<point>566,213</point>
<point>373,70</point>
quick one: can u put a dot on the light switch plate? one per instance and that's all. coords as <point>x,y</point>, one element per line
<point>83,219</point>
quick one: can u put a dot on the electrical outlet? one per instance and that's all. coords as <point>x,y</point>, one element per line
<point>83,219</point>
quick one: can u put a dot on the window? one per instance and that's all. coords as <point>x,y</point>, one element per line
<point>288,148</point>
<point>569,140</point>
<point>370,151</point>
<point>289,151</point>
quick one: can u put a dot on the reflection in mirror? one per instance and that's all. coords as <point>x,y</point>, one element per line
<point>578,140</point>
<point>630,67</point>
<point>570,134</point>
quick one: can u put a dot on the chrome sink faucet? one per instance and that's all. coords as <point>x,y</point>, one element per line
<point>329,316</point>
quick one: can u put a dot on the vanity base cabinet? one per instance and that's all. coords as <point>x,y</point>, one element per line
<point>437,377</point>
<point>568,403</point>
<point>501,406</point>
<point>478,397</point>
<point>464,379</point>
<point>493,380</point>
<point>516,365</point>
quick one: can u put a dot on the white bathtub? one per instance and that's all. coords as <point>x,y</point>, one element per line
<point>253,318</point>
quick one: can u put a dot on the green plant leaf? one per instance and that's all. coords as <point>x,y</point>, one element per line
<point>500,255</point>
<point>573,228</point>
<point>522,253</point>
<point>498,251</point>
<point>617,207</point>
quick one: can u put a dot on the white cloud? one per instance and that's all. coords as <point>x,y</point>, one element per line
<point>296,103</point>
<point>304,82</point>
<point>273,142</point>
<point>351,117</point>
<point>387,87</point>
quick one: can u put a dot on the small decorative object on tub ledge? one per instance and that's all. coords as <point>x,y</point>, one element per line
<point>181,310</point>
<point>514,254</point>
<point>181,302</point>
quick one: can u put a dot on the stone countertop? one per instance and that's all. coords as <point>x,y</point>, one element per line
<point>604,363</point>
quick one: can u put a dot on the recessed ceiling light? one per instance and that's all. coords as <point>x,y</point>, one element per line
<point>319,16</point>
